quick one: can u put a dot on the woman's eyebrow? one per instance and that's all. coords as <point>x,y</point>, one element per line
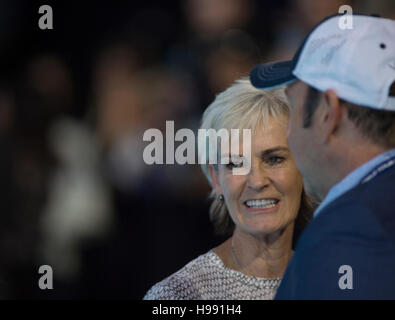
<point>264,153</point>
<point>268,152</point>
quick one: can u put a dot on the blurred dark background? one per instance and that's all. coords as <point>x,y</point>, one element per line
<point>74,104</point>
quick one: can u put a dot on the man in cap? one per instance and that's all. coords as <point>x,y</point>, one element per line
<point>341,89</point>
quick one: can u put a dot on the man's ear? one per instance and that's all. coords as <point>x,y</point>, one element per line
<point>215,180</point>
<point>331,116</point>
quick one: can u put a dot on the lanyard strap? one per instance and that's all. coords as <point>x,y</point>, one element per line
<point>379,169</point>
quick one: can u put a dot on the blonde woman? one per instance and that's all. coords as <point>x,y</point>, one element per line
<point>258,210</point>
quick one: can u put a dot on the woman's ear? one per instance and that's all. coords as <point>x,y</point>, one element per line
<point>215,180</point>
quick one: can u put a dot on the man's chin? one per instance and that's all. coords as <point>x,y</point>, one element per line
<point>311,192</point>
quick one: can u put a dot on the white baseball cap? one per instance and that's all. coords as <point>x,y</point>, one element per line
<point>358,63</point>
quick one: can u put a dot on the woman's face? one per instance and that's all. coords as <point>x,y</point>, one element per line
<point>268,198</point>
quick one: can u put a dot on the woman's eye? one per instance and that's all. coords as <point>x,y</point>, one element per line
<point>232,165</point>
<point>275,160</point>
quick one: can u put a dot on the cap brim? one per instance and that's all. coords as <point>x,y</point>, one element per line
<point>271,75</point>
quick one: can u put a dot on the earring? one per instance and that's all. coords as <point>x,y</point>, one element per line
<point>220,197</point>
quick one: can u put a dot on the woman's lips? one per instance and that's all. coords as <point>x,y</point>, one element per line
<point>262,210</point>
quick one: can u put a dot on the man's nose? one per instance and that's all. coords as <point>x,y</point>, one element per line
<point>288,129</point>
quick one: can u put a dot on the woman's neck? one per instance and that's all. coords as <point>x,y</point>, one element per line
<point>264,256</point>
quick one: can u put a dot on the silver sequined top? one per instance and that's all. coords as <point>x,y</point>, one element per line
<point>207,278</point>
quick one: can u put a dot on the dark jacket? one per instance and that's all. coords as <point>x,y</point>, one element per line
<point>356,230</point>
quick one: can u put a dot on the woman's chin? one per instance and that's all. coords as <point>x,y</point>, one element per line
<point>262,227</point>
<point>266,223</point>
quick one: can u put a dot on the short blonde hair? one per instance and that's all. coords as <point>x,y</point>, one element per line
<point>241,106</point>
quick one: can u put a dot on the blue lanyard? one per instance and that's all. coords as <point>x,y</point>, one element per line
<point>379,169</point>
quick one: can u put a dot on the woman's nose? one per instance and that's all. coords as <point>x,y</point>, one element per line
<point>257,178</point>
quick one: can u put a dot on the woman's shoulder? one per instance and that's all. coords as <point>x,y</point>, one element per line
<point>185,283</point>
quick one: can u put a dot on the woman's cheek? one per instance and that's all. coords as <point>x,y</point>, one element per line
<point>290,180</point>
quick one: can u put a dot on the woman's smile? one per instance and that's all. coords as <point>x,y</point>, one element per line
<point>261,205</point>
